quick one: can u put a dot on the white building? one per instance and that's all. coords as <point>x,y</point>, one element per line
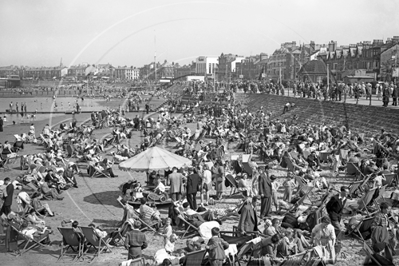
<point>132,73</point>
<point>234,63</point>
<point>206,65</point>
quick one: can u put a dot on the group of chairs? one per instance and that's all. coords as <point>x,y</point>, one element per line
<point>76,243</point>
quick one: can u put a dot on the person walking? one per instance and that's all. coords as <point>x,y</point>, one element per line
<point>335,207</point>
<point>7,196</point>
<point>135,241</point>
<point>1,124</point>
<point>265,191</point>
<point>176,183</point>
<point>193,185</point>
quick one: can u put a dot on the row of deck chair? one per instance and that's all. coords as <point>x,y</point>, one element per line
<point>73,241</point>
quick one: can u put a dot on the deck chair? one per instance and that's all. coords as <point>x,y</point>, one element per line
<point>366,199</point>
<point>234,185</point>
<point>323,156</point>
<point>99,244</point>
<point>376,259</point>
<point>352,170</point>
<point>28,243</point>
<point>362,230</point>
<point>354,187</point>
<point>8,159</point>
<point>195,258</point>
<point>137,262</point>
<point>94,172</point>
<point>380,197</point>
<point>389,178</point>
<point>18,145</point>
<point>145,225</point>
<point>70,240</point>
<point>188,226</point>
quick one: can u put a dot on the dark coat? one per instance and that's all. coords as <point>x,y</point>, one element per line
<point>135,241</point>
<point>265,185</point>
<point>216,248</point>
<point>248,219</point>
<point>193,183</point>
<point>10,194</point>
<point>334,208</point>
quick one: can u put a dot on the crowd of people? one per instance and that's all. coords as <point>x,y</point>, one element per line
<point>315,212</point>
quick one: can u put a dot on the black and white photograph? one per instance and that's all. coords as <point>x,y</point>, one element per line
<point>199,132</point>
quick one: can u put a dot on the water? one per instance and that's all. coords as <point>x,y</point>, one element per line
<point>46,104</point>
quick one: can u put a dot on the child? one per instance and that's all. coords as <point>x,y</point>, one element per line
<point>167,231</point>
<point>289,185</point>
<point>216,247</point>
<point>275,186</point>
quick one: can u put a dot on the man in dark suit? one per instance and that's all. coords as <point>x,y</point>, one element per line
<point>135,241</point>
<point>8,196</point>
<point>193,185</point>
<point>248,219</point>
<point>265,191</point>
<point>334,208</point>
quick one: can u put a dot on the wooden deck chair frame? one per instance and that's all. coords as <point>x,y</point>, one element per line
<point>369,253</point>
<point>137,262</point>
<point>352,170</point>
<point>144,224</point>
<point>98,173</point>
<point>389,178</point>
<point>356,231</point>
<point>27,241</point>
<point>380,197</point>
<point>98,243</point>
<point>234,186</point>
<point>6,160</point>
<point>195,258</point>
<point>71,240</point>
<point>370,193</point>
<point>188,224</point>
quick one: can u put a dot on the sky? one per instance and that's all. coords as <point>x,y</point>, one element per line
<point>130,32</point>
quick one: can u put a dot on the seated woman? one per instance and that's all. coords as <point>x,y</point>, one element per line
<point>323,235</point>
<point>35,221</point>
<point>38,206</point>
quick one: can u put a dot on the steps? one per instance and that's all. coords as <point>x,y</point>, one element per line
<point>360,118</point>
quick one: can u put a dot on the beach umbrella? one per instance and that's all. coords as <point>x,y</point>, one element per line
<point>156,159</point>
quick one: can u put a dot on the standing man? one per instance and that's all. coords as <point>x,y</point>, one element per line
<point>193,185</point>
<point>334,209</point>
<point>135,241</point>
<point>248,219</point>
<point>175,182</point>
<point>265,191</point>
<point>7,196</point>
<point>1,124</point>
